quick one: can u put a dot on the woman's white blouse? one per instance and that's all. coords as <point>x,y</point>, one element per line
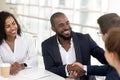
<point>24,51</point>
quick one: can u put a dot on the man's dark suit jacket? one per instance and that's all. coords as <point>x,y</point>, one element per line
<point>105,70</point>
<point>84,48</point>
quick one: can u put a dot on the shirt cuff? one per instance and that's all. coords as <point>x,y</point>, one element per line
<point>66,71</point>
<point>85,68</point>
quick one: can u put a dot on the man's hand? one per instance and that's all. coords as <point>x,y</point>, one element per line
<point>77,69</point>
<point>70,67</point>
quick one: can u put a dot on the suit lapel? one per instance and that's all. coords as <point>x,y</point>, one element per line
<point>76,42</point>
<point>56,53</point>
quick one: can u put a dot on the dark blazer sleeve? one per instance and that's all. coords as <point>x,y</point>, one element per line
<point>98,70</point>
<point>96,51</point>
<point>51,58</point>
<point>87,47</point>
<point>105,70</point>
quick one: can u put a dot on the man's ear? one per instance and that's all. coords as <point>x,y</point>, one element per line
<point>112,55</point>
<point>104,36</point>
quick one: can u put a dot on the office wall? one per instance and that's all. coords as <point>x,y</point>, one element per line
<point>6,7</point>
<point>114,6</point>
<point>3,6</point>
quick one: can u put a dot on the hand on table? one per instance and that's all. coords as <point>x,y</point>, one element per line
<point>16,67</point>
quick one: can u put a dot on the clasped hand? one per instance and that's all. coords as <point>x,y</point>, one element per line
<point>76,69</point>
<point>16,67</point>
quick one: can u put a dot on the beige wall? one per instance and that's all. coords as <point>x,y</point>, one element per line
<point>3,6</point>
<point>6,7</point>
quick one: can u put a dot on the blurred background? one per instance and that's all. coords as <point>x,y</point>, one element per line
<point>34,15</point>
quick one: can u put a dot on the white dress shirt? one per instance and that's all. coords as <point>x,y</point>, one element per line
<point>24,51</point>
<point>68,57</point>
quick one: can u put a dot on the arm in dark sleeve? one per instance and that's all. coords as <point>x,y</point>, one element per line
<point>96,51</point>
<point>98,70</point>
<point>105,70</point>
<point>50,63</point>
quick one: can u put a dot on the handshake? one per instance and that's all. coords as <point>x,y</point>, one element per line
<point>76,69</point>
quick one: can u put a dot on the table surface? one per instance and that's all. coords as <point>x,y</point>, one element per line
<point>35,74</point>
